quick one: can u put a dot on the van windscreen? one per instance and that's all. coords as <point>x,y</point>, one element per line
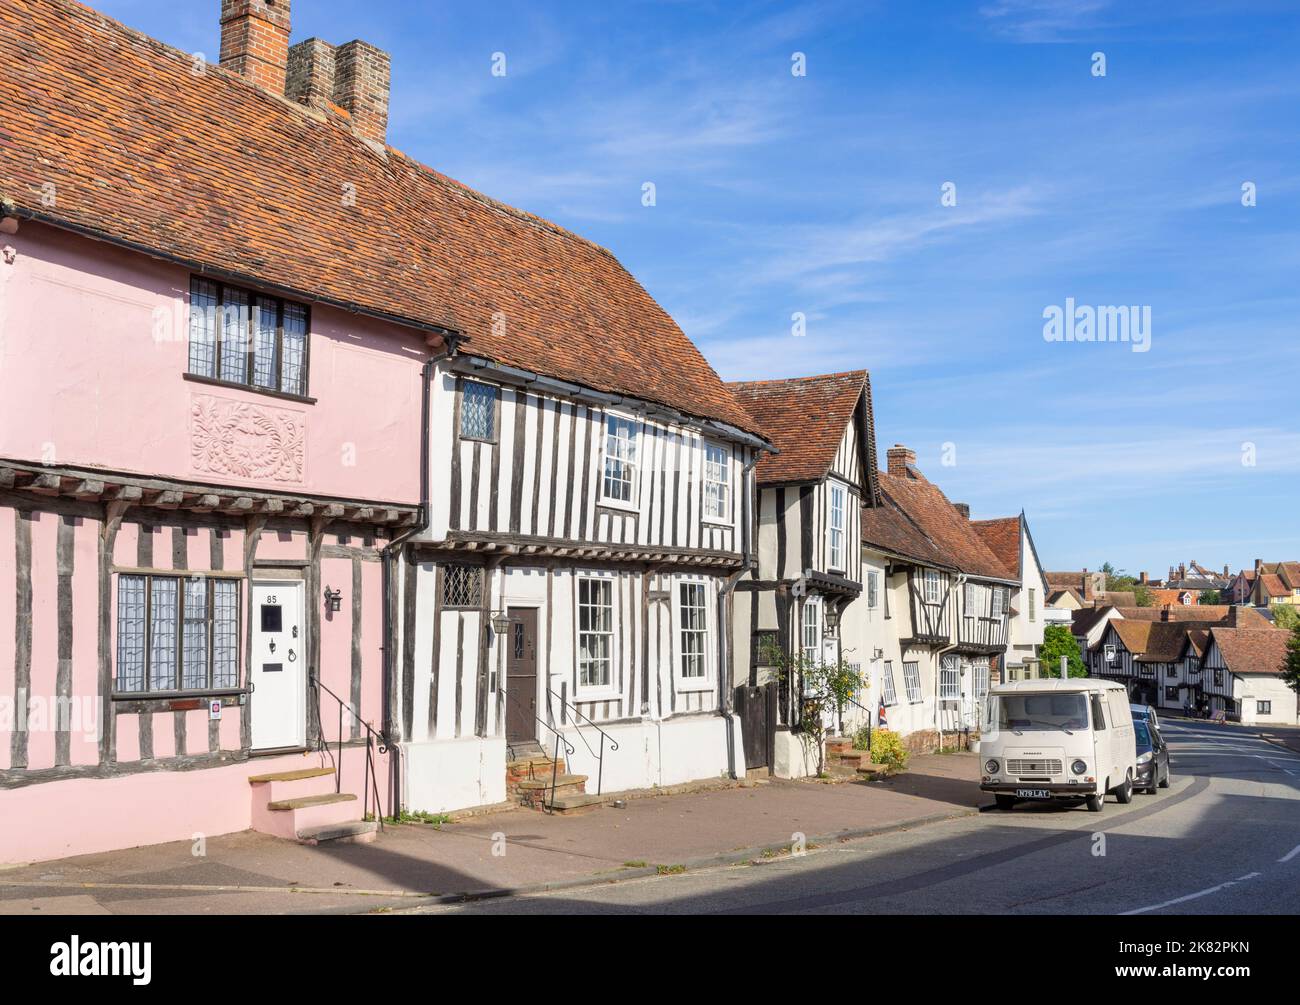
<point>1042,711</point>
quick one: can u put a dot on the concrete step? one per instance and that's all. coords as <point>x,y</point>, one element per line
<point>287,818</point>
<point>873,770</point>
<point>354,832</point>
<point>281,785</point>
<point>573,805</point>
<point>545,783</point>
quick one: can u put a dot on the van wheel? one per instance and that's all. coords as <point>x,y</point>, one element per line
<point>1124,794</point>
<point>1005,802</point>
<point>1096,802</point>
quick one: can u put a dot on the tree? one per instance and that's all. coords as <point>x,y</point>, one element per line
<point>1211,597</point>
<point>1142,596</point>
<point>1286,617</point>
<point>1290,668</point>
<point>1058,642</point>
<point>825,688</point>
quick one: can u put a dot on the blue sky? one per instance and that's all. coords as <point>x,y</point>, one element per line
<point>820,194</point>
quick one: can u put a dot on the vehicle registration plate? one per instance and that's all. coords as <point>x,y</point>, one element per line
<point>1033,794</point>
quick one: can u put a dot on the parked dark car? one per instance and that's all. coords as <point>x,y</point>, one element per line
<point>1153,758</point>
<point>1145,713</point>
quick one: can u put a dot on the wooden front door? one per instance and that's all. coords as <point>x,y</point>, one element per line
<point>521,675</point>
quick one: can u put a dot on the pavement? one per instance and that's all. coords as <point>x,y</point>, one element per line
<point>1224,839</point>
<point>500,855</point>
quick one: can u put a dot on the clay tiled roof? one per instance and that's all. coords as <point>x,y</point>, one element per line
<point>1120,598</point>
<point>1085,619</point>
<point>1002,537</point>
<point>890,529</point>
<point>212,172</point>
<point>1272,585</point>
<point>805,418</point>
<point>948,535</point>
<point>1247,650</point>
<point>1134,634</point>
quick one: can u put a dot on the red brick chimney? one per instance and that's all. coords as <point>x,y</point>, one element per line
<point>1142,578</point>
<point>963,509</point>
<point>255,40</point>
<point>362,78</point>
<point>311,73</point>
<point>900,459</point>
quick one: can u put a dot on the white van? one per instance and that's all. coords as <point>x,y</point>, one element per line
<point>1058,740</point>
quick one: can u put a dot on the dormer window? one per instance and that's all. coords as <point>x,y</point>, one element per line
<point>240,337</point>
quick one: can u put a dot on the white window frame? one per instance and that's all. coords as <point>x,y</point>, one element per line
<point>999,603</point>
<point>873,589</point>
<point>704,681</point>
<point>812,652</point>
<point>949,678</point>
<point>931,579</point>
<point>715,506</point>
<point>836,520</point>
<point>980,676</point>
<point>887,692</point>
<point>609,687</point>
<point>912,681</point>
<point>1033,607</point>
<point>630,459</point>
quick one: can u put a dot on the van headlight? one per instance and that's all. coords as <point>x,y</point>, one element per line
<point>991,767</point>
<point>1079,767</point>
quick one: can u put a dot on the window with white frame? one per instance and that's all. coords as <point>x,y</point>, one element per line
<point>912,681</point>
<point>478,407</point>
<point>717,482</point>
<point>970,600</point>
<point>836,526</point>
<point>887,693</point>
<point>812,632</point>
<point>932,584</point>
<point>981,672</point>
<point>595,633</point>
<point>176,634</point>
<point>1033,607</point>
<point>693,617</point>
<point>619,484</point>
<point>999,602</point>
<point>873,589</point>
<point>242,338</point>
<point>949,679</point>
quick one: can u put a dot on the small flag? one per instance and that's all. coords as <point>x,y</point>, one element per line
<point>881,720</point>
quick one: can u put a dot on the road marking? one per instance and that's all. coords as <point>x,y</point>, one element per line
<point>1291,854</point>
<point>1195,896</point>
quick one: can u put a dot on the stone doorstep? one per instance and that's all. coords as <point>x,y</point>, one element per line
<point>355,832</point>
<point>290,776</point>
<point>302,802</point>
<point>545,783</point>
<point>580,802</point>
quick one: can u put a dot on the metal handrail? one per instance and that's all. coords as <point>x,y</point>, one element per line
<point>555,760</point>
<point>600,757</point>
<point>370,784</point>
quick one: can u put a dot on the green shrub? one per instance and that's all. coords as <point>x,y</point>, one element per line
<point>862,738</point>
<point>887,748</point>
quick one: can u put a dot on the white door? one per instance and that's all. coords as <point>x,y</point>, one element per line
<point>279,702</point>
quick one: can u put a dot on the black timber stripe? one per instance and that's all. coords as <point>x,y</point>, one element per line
<point>517,465</point>
<point>65,551</point>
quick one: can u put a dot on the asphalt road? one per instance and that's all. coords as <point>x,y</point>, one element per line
<point>1223,839</point>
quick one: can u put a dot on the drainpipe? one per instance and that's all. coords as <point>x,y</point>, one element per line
<point>727,619</point>
<point>387,554</point>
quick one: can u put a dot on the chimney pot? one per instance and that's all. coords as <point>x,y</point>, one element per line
<point>963,509</point>
<point>1142,578</point>
<point>255,40</point>
<point>362,79</point>
<point>900,459</point>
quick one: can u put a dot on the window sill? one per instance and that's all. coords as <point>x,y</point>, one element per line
<point>251,388</point>
<point>595,694</point>
<point>693,684</point>
<point>222,692</point>
<point>619,504</point>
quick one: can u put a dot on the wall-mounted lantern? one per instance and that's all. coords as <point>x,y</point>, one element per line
<point>501,622</point>
<point>333,600</point>
<point>832,618</point>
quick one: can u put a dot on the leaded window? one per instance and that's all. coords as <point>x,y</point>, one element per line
<point>239,338</point>
<point>694,631</point>
<point>887,692</point>
<point>595,632</point>
<point>949,679</point>
<point>478,405</point>
<point>462,585</point>
<point>717,482</point>
<point>177,634</point>
<point>620,459</point>
<point>912,681</point>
